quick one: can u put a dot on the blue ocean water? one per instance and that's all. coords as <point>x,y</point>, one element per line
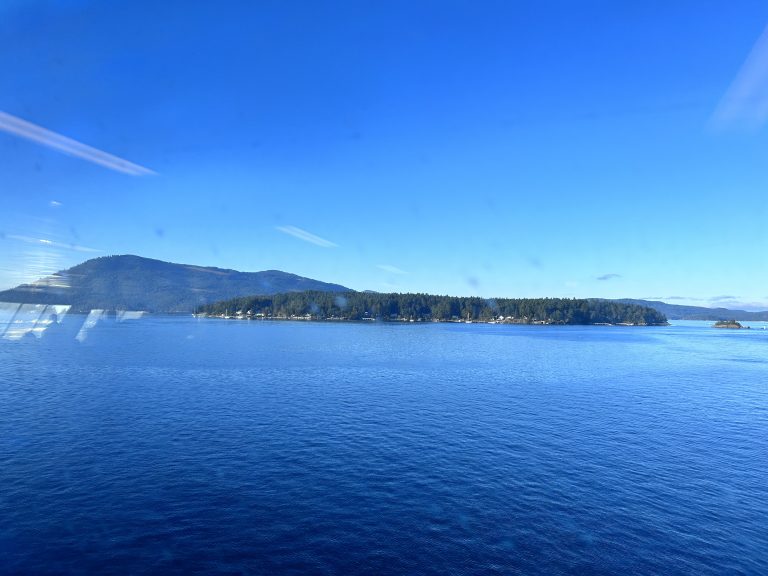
<point>174,445</point>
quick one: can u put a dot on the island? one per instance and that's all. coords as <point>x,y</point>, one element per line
<point>732,324</point>
<point>395,307</point>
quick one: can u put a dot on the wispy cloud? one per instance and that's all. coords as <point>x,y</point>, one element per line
<point>306,236</point>
<point>24,129</point>
<point>723,297</point>
<point>608,277</point>
<point>746,101</point>
<point>391,269</point>
<point>52,243</point>
<point>54,204</point>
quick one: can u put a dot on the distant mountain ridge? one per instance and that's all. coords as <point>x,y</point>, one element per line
<point>130,282</point>
<point>682,312</point>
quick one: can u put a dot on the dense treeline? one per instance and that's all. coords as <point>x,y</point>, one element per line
<point>371,305</point>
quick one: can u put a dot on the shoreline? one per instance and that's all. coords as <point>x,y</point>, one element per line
<point>401,321</point>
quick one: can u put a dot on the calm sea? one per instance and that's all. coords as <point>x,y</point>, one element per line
<point>173,445</point>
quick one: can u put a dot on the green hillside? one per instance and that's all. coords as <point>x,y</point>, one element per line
<point>136,283</point>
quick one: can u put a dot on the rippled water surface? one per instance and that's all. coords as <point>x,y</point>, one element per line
<point>175,445</point>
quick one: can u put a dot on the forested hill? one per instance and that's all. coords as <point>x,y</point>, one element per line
<point>371,305</point>
<point>136,283</point>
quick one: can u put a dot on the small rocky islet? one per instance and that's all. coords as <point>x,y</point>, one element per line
<point>730,324</point>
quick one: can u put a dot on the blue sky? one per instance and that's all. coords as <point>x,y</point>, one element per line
<point>490,148</point>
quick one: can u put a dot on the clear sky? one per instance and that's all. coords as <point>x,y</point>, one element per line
<point>587,149</point>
